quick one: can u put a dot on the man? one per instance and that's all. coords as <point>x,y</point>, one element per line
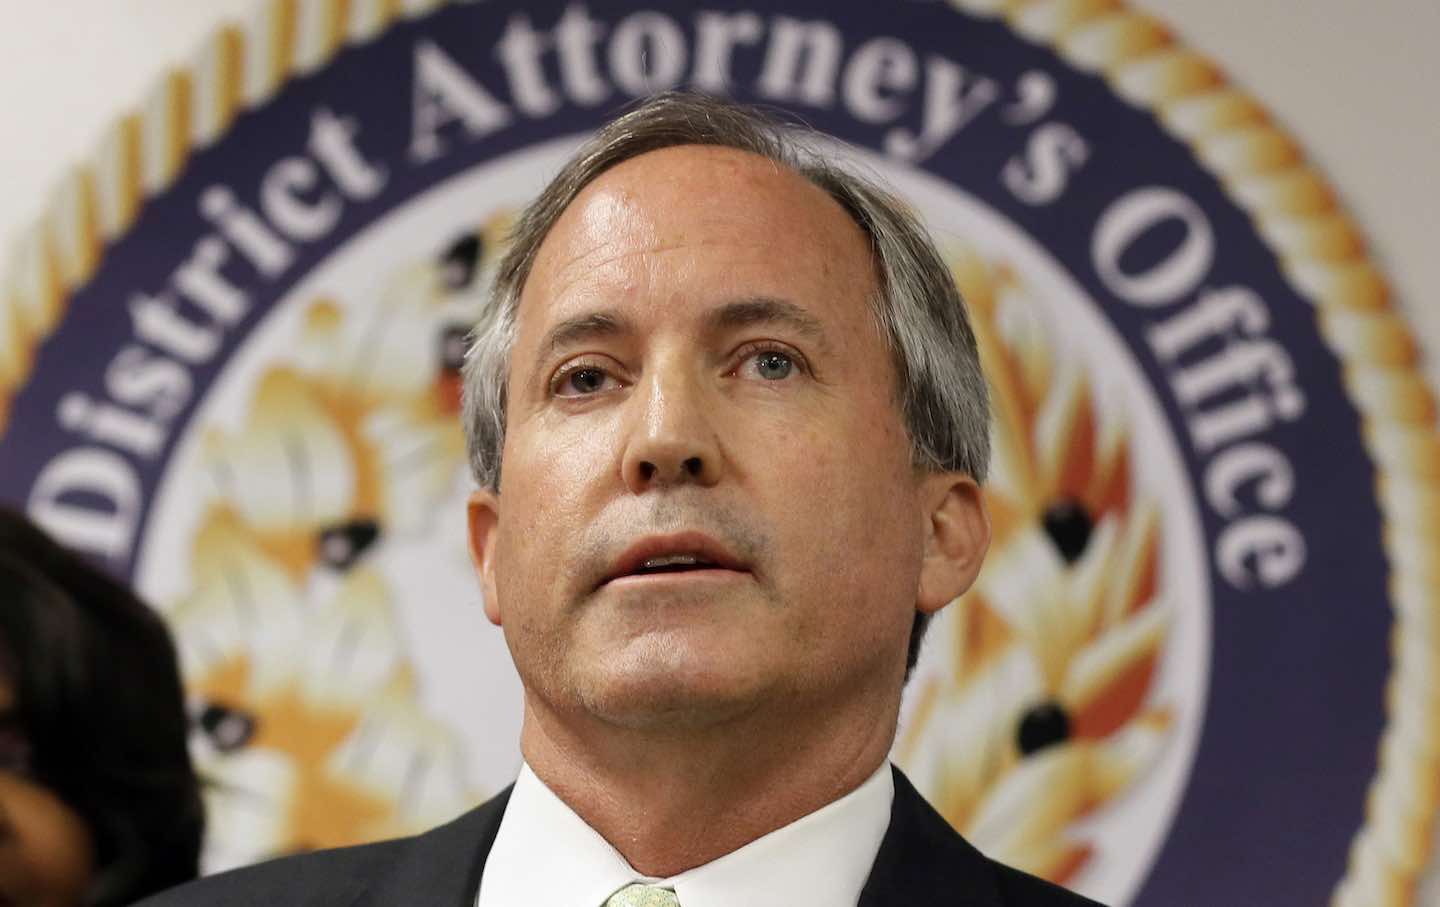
<point>728,423</point>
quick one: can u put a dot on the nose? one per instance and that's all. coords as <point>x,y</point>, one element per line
<point>672,440</point>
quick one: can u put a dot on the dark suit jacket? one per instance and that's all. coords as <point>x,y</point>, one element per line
<point>921,861</point>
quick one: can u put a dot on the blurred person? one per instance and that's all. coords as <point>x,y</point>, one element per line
<point>99,804</point>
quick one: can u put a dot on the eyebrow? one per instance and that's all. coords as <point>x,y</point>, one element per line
<point>588,326</point>
<point>766,310</point>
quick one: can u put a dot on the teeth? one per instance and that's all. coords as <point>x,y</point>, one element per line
<point>670,560</point>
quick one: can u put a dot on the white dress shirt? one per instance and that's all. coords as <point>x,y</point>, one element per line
<point>546,856</point>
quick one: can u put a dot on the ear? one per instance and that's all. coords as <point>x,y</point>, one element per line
<point>482,512</point>
<point>957,535</point>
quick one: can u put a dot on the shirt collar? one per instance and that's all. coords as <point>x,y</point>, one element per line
<point>546,856</point>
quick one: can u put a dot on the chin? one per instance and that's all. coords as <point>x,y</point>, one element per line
<point>656,695</point>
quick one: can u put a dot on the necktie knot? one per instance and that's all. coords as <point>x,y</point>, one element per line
<point>638,895</point>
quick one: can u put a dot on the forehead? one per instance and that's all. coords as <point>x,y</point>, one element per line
<point>695,207</point>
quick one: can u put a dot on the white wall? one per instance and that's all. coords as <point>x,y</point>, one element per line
<point>1358,84</point>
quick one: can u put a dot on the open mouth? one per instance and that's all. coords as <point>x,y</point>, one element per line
<point>679,553</point>
<point>674,563</point>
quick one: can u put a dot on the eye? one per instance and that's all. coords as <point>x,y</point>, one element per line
<point>773,366</point>
<point>581,379</point>
<point>768,363</point>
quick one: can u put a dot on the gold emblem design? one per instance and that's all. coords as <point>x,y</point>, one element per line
<point>1045,711</point>
<point>311,727</point>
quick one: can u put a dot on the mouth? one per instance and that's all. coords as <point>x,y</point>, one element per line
<point>681,556</point>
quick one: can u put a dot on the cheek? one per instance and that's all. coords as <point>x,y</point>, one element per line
<point>550,477</point>
<point>552,463</point>
<point>843,498</point>
<point>47,852</point>
<point>856,459</point>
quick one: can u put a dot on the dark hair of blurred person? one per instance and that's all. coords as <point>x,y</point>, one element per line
<point>99,804</point>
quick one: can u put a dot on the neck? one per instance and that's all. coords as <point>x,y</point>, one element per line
<point>671,799</point>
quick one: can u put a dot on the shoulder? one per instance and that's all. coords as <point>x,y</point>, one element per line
<point>441,866</point>
<point>922,855</point>
<point>325,877</point>
<point>1024,890</point>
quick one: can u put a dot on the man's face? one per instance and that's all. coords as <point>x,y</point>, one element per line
<point>707,500</point>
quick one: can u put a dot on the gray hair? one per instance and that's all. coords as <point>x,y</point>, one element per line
<point>940,388</point>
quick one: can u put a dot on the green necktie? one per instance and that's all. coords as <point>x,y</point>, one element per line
<point>638,895</point>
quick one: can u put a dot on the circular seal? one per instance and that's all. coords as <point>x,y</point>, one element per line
<point>231,370</point>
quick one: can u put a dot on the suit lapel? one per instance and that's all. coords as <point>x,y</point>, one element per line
<point>922,860</point>
<point>442,867</point>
